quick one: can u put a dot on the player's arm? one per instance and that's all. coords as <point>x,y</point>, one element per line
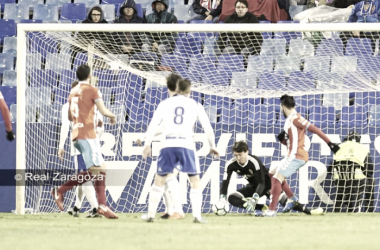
<point>156,120</point>
<point>205,121</point>
<point>7,118</point>
<point>105,111</point>
<point>100,124</point>
<point>64,131</point>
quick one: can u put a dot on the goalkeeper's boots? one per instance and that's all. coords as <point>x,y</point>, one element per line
<point>93,213</point>
<point>317,211</point>
<point>199,220</point>
<point>74,212</point>
<point>270,213</point>
<point>176,216</point>
<point>58,198</point>
<point>107,212</point>
<point>290,204</point>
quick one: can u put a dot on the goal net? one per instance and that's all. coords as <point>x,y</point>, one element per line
<point>238,73</point>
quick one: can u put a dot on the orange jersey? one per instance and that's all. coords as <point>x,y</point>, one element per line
<point>82,108</point>
<point>296,126</point>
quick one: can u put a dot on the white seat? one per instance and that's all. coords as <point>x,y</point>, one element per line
<point>10,78</point>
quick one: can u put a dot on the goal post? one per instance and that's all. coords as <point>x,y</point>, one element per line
<point>335,83</point>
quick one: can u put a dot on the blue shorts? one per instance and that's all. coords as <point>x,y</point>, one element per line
<point>288,167</point>
<point>79,164</point>
<point>90,150</point>
<point>184,159</point>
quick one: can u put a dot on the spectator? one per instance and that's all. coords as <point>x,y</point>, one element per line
<point>351,167</point>
<point>246,43</point>
<point>95,15</point>
<point>130,42</point>
<point>206,10</point>
<point>160,42</point>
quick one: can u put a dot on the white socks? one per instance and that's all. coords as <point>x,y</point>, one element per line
<point>173,189</point>
<point>79,196</point>
<point>154,199</point>
<point>196,202</point>
<point>89,191</point>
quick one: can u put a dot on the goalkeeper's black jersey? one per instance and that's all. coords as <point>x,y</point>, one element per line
<point>254,171</point>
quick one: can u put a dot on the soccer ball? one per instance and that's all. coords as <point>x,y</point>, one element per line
<point>221,208</point>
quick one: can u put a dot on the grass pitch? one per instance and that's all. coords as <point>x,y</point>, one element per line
<point>286,231</point>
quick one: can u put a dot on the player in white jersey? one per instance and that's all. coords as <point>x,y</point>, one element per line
<point>79,165</point>
<point>178,115</point>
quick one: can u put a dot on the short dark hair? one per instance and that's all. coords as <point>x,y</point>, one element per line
<point>96,8</point>
<point>75,83</point>
<point>287,101</point>
<point>83,72</point>
<point>240,146</point>
<point>184,85</point>
<point>245,2</point>
<point>172,81</point>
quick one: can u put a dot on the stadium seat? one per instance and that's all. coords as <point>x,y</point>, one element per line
<point>287,35</point>
<point>273,47</point>
<point>106,78</point>
<point>211,111</point>
<point>88,3</point>
<point>62,93</point>
<point>322,115</point>
<point>59,3</point>
<point>34,61</point>
<point>244,80</point>
<point>181,11</point>
<point>9,93</point>
<point>6,62</point>
<point>266,35</point>
<point>354,115</point>
<point>50,113</point>
<point>337,100</point>
<point>16,12</point>
<point>157,84</point>
<point>10,78</point>
<point>330,47</point>
<point>343,64</point>
<point>299,109</point>
<point>10,45</point>
<point>374,115</point>
<point>359,47</point>
<point>43,44</point>
<point>46,12</point>
<point>3,2</point>
<point>328,80</point>
<point>217,101</point>
<point>272,81</point>
<point>8,28</point>
<point>287,64</point>
<point>262,115</point>
<point>31,21</point>
<point>109,12</point>
<point>260,63</point>
<point>295,9</point>
<point>147,7</point>
<point>217,78</point>
<point>175,62</point>
<point>37,96</point>
<point>43,77</point>
<point>67,77</point>
<point>13,110</point>
<point>369,65</point>
<point>112,1</point>
<point>201,64</point>
<point>188,46</point>
<point>200,35</point>
<point>301,81</point>
<point>30,3</point>
<point>309,101</point>
<point>80,58</point>
<point>234,114</point>
<point>301,48</point>
<point>123,58</point>
<point>73,12</point>
<point>230,63</point>
<point>58,61</point>
<point>317,64</point>
<point>355,80</point>
<point>139,8</point>
<point>209,45</point>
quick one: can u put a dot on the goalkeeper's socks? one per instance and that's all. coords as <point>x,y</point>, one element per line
<point>154,199</point>
<point>100,188</point>
<point>285,187</point>
<point>79,179</point>
<point>89,192</point>
<point>275,191</point>
<point>196,201</point>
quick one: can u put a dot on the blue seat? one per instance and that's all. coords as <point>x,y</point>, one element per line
<point>50,114</point>
<point>301,110</point>
<point>200,35</point>
<point>301,81</point>
<point>155,95</point>
<point>46,12</point>
<point>369,65</point>
<point>209,45</point>
<point>301,48</point>
<point>328,80</point>
<point>3,2</point>
<point>330,47</point>
<point>234,114</point>
<point>308,101</point>
<point>34,60</point>
<point>10,78</point>
<point>266,35</point>
<point>262,115</point>
<point>188,46</point>
<point>30,3</point>
<point>244,80</point>
<point>59,3</point>
<point>317,64</point>
<point>216,101</point>
<point>73,12</point>
<point>106,78</point>
<point>374,115</point>
<point>337,100</point>
<point>287,64</point>
<point>139,8</point>
<point>10,45</point>
<point>43,77</point>
<point>38,96</point>
<point>322,115</point>
<point>175,62</point>
<point>109,12</point>
<point>58,61</point>
<point>9,93</point>
<point>295,9</point>
<point>272,81</point>
<point>80,59</point>
<point>359,47</point>
<point>16,12</point>
<point>30,116</point>
<point>8,28</point>
<point>43,44</point>
<point>260,63</point>
<point>354,115</point>
<point>201,65</point>
<point>67,77</point>
<point>343,64</point>
<point>62,93</point>
<point>88,3</point>
<point>217,78</point>
<point>287,35</point>
<point>273,47</point>
<point>6,62</point>
<point>230,63</point>
<point>31,21</point>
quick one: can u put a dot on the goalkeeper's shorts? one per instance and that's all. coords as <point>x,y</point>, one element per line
<point>90,150</point>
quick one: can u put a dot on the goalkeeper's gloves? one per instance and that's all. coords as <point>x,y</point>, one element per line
<point>10,135</point>
<point>251,203</point>
<point>334,147</point>
<point>223,198</point>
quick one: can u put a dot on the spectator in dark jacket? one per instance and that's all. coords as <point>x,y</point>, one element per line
<point>160,42</point>
<point>206,10</point>
<point>130,42</point>
<point>95,15</point>
<point>246,43</point>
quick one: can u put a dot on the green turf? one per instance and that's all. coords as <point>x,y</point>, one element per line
<point>286,231</point>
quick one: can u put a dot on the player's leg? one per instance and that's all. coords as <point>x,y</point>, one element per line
<point>172,189</point>
<point>79,166</point>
